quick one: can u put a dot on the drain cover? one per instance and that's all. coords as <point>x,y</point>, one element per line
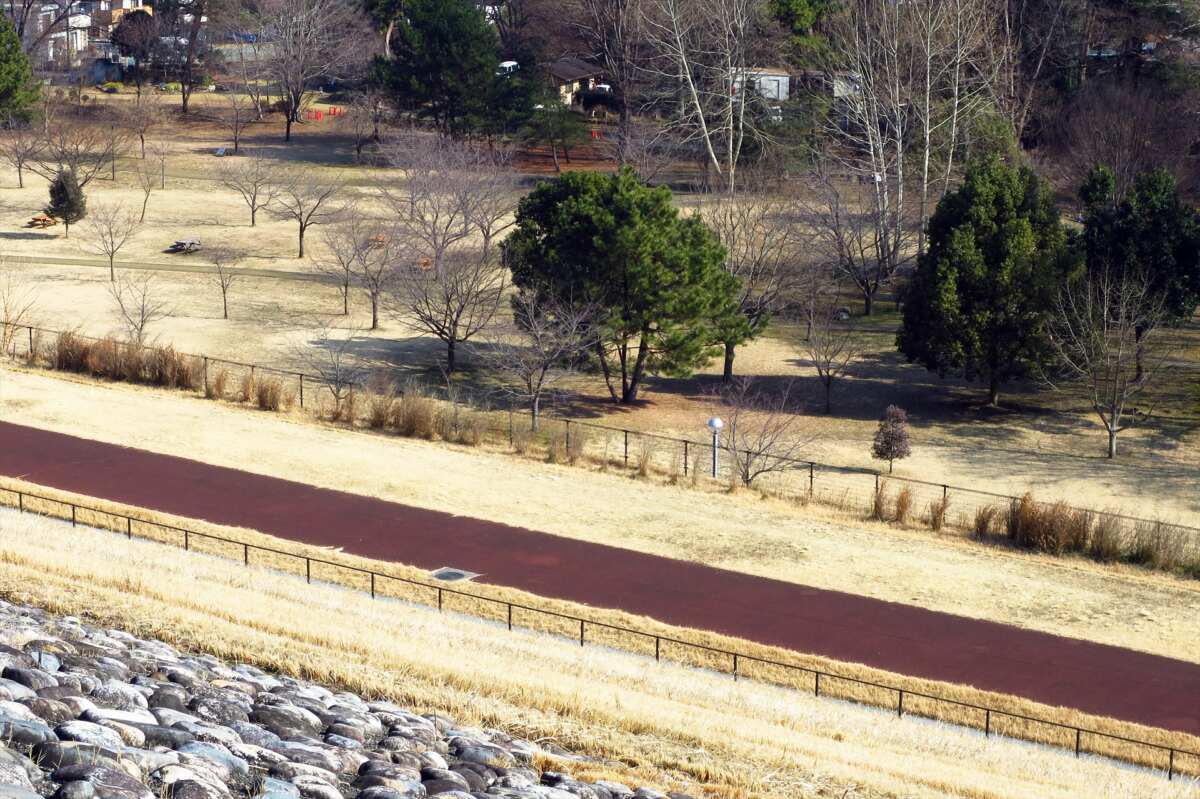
<point>451,574</point>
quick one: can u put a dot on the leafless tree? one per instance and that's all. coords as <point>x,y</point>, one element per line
<point>308,200</point>
<point>142,117</point>
<point>455,302</point>
<point>355,257</point>
<point>253,177</point>
<point>1017,51</point>
<point>365,117</point>
<point>453,193</point>
<point>137,305</point>
<point>223,260</point>
<point>763,432</point>
<point>20,146</point>
<point>1106,330</point>
<point>162,149</point>
<point>705,57</point>
<point>36,20</point>
<point>79,147</point>
<point>615,31</point>
<point>762,251</point>
<point>108,229</point>
<point>310,39</point>
<point>235,114</point>
<point>116,143</point>
<point>331,356</point>
<point>147,181</point>
<point>537,350</point>
<point>17,301</point>
<point>832,346</point>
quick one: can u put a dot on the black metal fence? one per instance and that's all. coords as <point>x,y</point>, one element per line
<point>988,720</point>
<point>848,488</point>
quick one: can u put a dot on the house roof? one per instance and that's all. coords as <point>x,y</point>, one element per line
<point>572,69</point>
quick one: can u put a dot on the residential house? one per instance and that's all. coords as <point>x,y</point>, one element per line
<point>572,76</point>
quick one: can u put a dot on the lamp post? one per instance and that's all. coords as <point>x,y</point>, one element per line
<point>715,425</point>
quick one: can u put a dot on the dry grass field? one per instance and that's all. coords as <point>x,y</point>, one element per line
<point>1119,605</point>
<point>662,724</point>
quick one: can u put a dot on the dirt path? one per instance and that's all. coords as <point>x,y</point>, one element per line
<point>179,266</point>
<point>1092,677</point>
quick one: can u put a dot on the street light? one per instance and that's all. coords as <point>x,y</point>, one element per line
<point>716,426</point>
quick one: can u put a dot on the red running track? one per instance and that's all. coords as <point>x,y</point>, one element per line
<point>1095,678</point>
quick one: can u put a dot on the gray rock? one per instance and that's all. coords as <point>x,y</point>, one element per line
<point>232,766</point>
<point>253,734</point>
<point>62,754</point>
<point>108,783</point>
<point>25,734</point>
<point>51,711</point>
<point>413,790</point>
<point>290,771</point>
<point>158,735</point>
<point>17,792</point>
<point>286,720</point>
<point>439,780</point>
<point>16,769</point>
<point>132,716</point>
<point>31,678</point>
<point>272,788</point>
<point>16,691</point>
<point>89,733</point>
<point>313,788</point>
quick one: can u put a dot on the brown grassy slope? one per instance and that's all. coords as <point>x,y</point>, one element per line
<point>659,724</point>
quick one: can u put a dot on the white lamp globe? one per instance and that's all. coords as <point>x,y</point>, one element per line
<point>715,424</point>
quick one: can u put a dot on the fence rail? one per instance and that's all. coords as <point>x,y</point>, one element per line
<point>987,719</point>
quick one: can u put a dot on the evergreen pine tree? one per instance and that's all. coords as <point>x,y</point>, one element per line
<point>891,439</point>
<point>66,200</point>
<point>18,92</point>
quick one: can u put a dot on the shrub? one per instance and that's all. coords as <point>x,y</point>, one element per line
<point>646,449</point>
<point>163,366</point>
<point>381,407</point>
<point>576,445</point>
<point>937,513</point>
<point>472,429</point>
<point>70,352</point>
<point>1108,538</point>
<point>415,415</point>
<point>556,446</point>
<point>1157,545</point>
<point>268,394</point>
<point>903,505</point>
<point>217,390</point>
<point>103,359</point>
<point>985,517</point>
<point>1055,528</point>
<point>522,440</point>
<point>246,392</point>
<point>879,503</point>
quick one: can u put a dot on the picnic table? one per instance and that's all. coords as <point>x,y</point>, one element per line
<point>185,246</point>
<point>41,221</point>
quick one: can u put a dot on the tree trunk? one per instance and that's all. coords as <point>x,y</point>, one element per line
<point>145,202</point>
<point>727,374</point>
<point>345,300</point>
<point>554,155</point>
<point>301,255</point>
<point>994,392</point>
<point>66,229</point>
<point>868,303</point>
<point>287,130</point>
<point>112,272</point>
<point>374,312</point>
<point>450,360</point>
<point>535,412</point>
<point>253,214</point>
<point>225,304</point>
<point>890,465</point>
<point>1112,444</point>
<point>20,177</point>
<point>828,396</point>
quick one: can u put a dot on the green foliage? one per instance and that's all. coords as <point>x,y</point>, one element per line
<point>557,126</point>
<point>1151,232</point>
<point>66,199</point>
<point>444,62</point>
<point>136,35</point>
<point>18,92</point>
<point>799,18</point>
<point>978,302</point>
<point>655,278</point>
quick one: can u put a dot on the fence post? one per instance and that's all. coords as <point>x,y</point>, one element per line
<point>308,570</point>
<point>439,600</point>
<point>510,427</point>
<point>246,554</point>
<point>810,478</point>
<point>735,666</point>
<point>372,585</point>
<point>817,684</point>
<point>657,645</point>
<point>987,723</point>
<point>685,458</point>
<point>900,705</point>
<point>129,528</point>
<point>581,632</point>
<point>20,502</point>
<point>945,491</point>
<point>186,541</point>
<point>301,376</point>
<point>510,617</point>
<point>31,342</point>
<point>205,358</point>
<point>1078,737</point>
<point>1171,765</point>
<point>567,422</point>
<point>876,482</point>
<point>72,515</point>
<point>626,447</point>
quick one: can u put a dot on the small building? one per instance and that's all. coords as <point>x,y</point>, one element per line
<point>771,83</point>
<point>572,76</point>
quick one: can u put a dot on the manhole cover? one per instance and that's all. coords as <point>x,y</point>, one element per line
<point>451,574</point>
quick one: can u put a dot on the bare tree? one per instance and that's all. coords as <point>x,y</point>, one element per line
<point>614,29</point>
<point>253,178</point>
<point>17,301</point>
<point>331,356</point>
<point>108,229</point>
<point>763,431</point>
<point>307,200</point>
<point>453,193</point>
<point>20,146</point>
<point>706,52</point>
<point>365,118</point>
<point>162,149</point>
<point>142,117</point>
<point>223,260</point>
<point>234,115</point>
<point>1106,330</point>
<point>115,144</point>
<point>353,245</point>
<point>74,146</point>
<point>454,303</point>
<point>762,247</point>
<point>537,350</point>
<point>147,181</point>
<point>310,39</point>
<point>137,305</point>
<point>832,346</point>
